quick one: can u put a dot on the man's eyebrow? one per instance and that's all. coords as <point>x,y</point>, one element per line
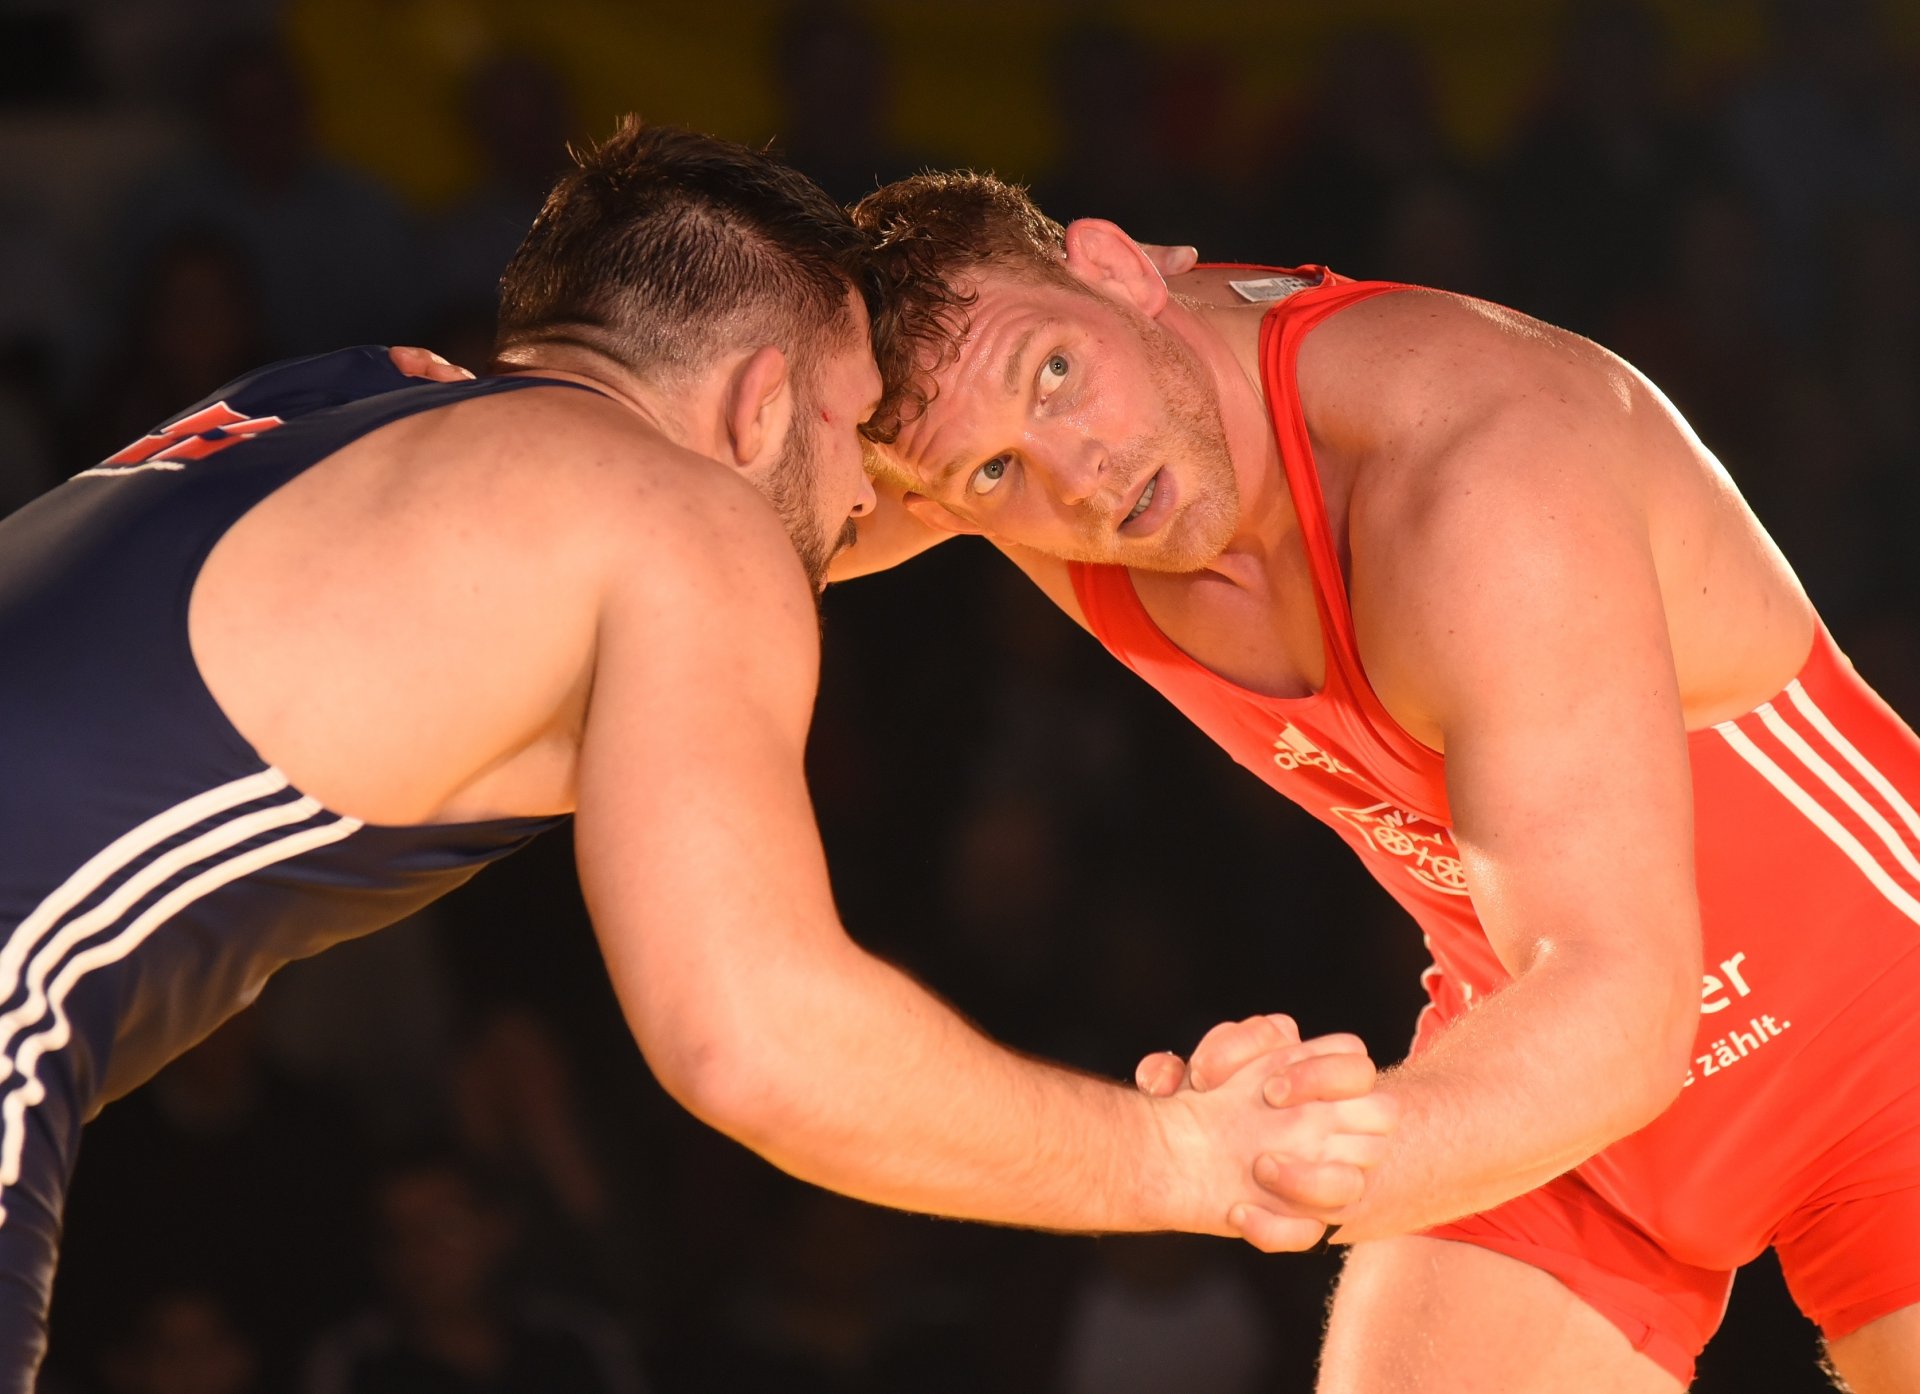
<point>951,468</point>
<point>1011,381</point>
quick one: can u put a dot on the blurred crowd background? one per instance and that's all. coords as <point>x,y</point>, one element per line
<point>433,1160</point>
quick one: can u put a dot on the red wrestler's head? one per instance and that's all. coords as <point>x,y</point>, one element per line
<point>714,275</point>
<point>1032,392</point>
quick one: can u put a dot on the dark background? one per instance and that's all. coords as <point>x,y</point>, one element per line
<point>450,1117</point>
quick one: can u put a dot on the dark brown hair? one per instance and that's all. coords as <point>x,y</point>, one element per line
<point>929,233</point>
<point>665,248</point>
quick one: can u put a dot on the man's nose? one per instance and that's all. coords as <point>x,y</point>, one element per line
<point>1078,470</point>
<point>866,500</point>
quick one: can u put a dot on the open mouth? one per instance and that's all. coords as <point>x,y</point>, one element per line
<point>1146,497</point>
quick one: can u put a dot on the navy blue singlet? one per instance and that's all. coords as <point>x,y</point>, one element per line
<point>155,870</point>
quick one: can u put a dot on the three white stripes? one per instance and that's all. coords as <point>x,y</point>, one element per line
<point>1792,787</point>
<point>36,948</point>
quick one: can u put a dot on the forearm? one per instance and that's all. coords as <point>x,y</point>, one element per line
<point>857,1079</point>
<point>1529,1084</point>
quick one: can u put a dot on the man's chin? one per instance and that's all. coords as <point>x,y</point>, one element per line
<point>1191,544</point>
<point>1178,563</point>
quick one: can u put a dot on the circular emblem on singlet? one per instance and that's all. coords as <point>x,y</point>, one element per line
<point>1424,849</point>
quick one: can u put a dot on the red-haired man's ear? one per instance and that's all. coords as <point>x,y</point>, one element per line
<point>934,514</point>
<point>1107,260</point>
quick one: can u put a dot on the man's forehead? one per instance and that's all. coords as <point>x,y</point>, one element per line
<point>855,357</point>
<point>857,303</point>
<point>924,442</point>
<point>999,305</point>
<point>861,348</point>
<point>1001,310</point>
<point>994,291</point>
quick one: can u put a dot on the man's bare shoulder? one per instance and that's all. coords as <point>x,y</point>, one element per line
<point>582,452</point>
<point>1474,459</point>
<point>584,471</point>
<point>1425,394</point>
<point>1419,365</point>
<point>457,577</point>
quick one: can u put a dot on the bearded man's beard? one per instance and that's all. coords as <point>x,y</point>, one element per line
<point>793,488</point>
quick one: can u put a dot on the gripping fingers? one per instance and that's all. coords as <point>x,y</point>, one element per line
<point>1286,1025</point>
<point>1320,1187</point>
<point>1373,1115</point>
<point>425,363</point>
<point>1231,1044</point>
<point>1160,1074</point>
<point>1274,1234</point>
<point>1364,1151</point>
<point>1330,1075</point>
<point>1339,1043</point>
<point>1170,261</point>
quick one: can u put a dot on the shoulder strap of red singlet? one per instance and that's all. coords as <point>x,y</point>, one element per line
<point>1107,598</point>
<point>1113,612</point>
<point>1283,329</point>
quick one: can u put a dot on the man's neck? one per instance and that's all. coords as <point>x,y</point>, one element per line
<point>673,416</point>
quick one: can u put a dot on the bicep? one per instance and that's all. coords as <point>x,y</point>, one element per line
<point>1527,631</point>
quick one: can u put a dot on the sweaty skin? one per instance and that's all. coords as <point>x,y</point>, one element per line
<point>532,604</point>
<point>1554,584</point>
<point>1630,586</point>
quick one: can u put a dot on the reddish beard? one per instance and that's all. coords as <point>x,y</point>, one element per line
<point>1192,436</point>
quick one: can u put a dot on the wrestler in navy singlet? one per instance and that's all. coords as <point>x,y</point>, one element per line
<point>154,870</point>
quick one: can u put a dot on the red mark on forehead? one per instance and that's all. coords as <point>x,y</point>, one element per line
<point>825,415</point>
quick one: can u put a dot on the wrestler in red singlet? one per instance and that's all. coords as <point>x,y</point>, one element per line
<point>1799,1126</point>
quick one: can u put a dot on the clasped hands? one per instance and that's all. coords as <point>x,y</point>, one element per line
<point>1299,1120</point>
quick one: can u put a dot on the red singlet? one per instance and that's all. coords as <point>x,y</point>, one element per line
<point>1799,1125</point>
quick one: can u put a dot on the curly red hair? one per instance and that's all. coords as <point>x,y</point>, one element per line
<point>930,233</point>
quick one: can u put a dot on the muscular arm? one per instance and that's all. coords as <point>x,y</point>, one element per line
<point>705,878</point>
<point>1516,621</point>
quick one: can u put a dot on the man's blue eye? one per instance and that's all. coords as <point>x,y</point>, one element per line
<point>989,475</point>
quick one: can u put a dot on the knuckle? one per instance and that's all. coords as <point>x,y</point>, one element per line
<point>1378,1113</point>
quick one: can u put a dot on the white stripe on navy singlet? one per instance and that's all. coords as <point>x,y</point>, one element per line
<point>113,471</point>
<point>44,1010</point>
<point>136,888</point>
<point>1880,872</point>
<point>121,852</point>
